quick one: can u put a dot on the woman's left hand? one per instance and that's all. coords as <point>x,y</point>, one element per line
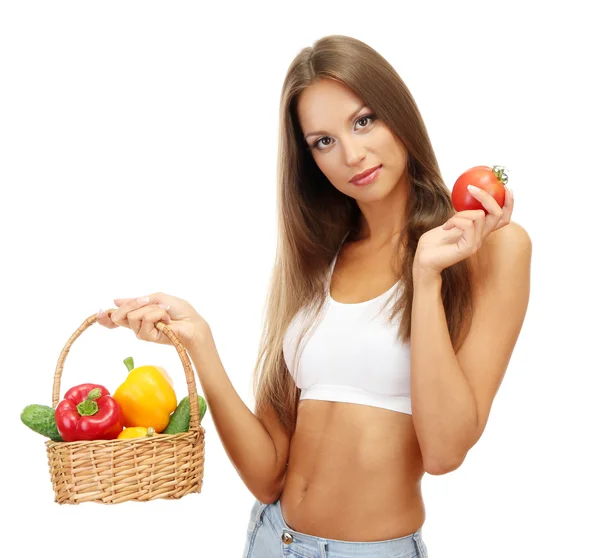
<point>463,234</point>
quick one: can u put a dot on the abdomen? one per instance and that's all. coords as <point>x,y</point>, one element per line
<point>354,473</point>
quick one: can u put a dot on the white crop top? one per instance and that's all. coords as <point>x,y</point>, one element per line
<point>352,355</point>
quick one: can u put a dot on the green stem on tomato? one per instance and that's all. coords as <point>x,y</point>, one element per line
<point>500,174</point>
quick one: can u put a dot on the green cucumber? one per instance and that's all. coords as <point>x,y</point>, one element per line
<point>180,419</point>
<point>40,418</point>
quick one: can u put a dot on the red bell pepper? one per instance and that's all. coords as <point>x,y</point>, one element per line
<point>88,412</point>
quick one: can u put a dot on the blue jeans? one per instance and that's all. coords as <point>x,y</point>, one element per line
<point>268,536</point>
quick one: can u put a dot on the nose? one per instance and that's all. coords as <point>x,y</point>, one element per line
<point>354,152</point>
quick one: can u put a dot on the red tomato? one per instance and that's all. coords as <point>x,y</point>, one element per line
<point>492,180</point>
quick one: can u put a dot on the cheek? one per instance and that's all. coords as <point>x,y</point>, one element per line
<point>402,157</point>
<point>385,142</point>
<point>329,167</point>
<point>389,145</point>
<point>400,150</point>
<point>334,172</point>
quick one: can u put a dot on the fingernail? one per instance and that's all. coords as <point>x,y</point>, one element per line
<point>101,313</point>
<point>165,306</point>
<point>143,299</point>
<point>473,188</point>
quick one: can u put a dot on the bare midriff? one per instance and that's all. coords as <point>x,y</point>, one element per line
<point>354,473</point>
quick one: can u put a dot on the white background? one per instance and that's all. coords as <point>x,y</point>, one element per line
<point>138,154</point>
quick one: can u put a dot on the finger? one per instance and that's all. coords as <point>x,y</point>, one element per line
<point>470,217</point>
<point>148,330</point>
<point>471,214</point>
<point>119,316</point>
<point>468,231</point>
<point>496,217</point>
<point>453,235</point>
<point>487,200</point>
<point>135,318</point>
<point>104,320</point>
<point>479,225</point>
<point>507,209</point>
<point>154,298</point>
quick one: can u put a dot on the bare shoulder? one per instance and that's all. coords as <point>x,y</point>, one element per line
<point>506,249</point>
<point>512,234</point>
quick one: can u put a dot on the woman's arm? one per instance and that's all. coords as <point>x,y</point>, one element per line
<point>452,393</point>
<point>258,450</point>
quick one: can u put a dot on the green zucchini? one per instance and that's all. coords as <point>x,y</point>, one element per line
<point>180,419</point>
<point>40,418</point>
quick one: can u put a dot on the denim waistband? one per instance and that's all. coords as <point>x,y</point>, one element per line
<point>310,545</point>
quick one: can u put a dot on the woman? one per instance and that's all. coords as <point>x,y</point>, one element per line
<point>345,427</point>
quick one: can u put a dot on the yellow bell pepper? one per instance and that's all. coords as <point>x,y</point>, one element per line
<point>147,397</point>
<point>136,432</point>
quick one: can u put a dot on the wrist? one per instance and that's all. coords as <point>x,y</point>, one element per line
<point>202,336</point>
<point>426,276</point>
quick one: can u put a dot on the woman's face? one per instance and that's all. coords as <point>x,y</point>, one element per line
<point>345,139</point>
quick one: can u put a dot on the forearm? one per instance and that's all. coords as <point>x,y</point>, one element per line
<point>443,406</point>
<point>246,441</point>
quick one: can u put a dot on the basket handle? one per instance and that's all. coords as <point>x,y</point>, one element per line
<point>163,328</point>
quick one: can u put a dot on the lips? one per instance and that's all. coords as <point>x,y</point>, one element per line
<point>365,173</point>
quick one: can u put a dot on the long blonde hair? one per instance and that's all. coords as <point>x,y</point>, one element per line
<point>313,216</point>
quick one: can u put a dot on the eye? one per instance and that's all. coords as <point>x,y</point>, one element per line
<point>369,117</point>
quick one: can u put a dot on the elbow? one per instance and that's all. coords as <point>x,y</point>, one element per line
<point>446,461</point>
<point>271,494</point>
<point>442,466</point>
<point>269,497</point>
<point>266,497</point>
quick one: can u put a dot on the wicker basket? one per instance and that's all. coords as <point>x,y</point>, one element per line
<point>113,471</point>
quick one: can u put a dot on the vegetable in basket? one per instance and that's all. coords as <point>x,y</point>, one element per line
<point>146,396</point>
<point>180,419</point>
<point>88,412</point>
<point>40,418</point>
<point>136,432</point>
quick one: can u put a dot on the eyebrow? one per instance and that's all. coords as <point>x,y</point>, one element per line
<point>349,118</point>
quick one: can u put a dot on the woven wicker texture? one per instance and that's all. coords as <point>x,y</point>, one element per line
<point>113,471</point>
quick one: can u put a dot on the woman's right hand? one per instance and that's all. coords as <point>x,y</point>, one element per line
<point>141,317</point>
